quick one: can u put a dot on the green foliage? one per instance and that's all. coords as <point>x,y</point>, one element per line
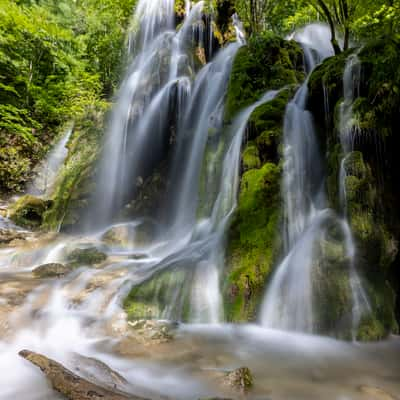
<point>57,59</point>
<point>274,15</point>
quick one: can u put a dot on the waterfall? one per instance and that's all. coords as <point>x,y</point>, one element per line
<point>166,111</point>
<point>290,301</point>
<point>349,130</point>
<point>156,85</point>
<point>48,169</point>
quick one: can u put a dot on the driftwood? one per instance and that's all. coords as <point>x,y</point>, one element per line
<point>71,385</point>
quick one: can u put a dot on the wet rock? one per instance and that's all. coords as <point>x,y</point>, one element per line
<point>29,211</point>
<point>98,372</point>
<point>70,385</point>
<point>137,233</point>
<point>117,235</point>
<point>149,332</point>
<point>52,270</point>
<point>7,236</point>
<point>240,379</point>
<point>376,393</point>
<point>86,256</point>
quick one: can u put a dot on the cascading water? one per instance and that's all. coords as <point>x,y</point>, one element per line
<point>160,72</point>
<point>349,130</point>
<point>288,303</point>
<point>162,101</point>
<point>290,300</point>
<point>50,167</point>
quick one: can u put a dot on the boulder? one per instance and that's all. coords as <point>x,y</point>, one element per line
<point>86,256</point>
<point>52,270</point>
<point>72,386</point>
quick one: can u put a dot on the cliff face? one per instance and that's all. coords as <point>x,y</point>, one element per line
<point>371,169</point>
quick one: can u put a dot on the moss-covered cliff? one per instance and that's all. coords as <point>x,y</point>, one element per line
<point>76,183</point>
<point>371,170</point>
<point>267,62</point>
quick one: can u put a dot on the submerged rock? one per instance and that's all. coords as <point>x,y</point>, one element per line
<point>52,270</point>
<point>7,236</point>
<point>376,393</point>
<point>150,332</point>
<point>240,379</point>
<point>117,236</point>
<point>137,233</point>
<point>86,256</point>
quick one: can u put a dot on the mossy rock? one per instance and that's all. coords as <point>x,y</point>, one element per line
<point>252,242</point>
<point>52,270</point>
<point>325,87</point>
<point>29,211</point>
<point>250,157</point>
<point>75,184</point>
<point>267,62</point>
<point>152,298</point>
<point>86,256</point>
<point>371,329</point>
<point>331,289</point>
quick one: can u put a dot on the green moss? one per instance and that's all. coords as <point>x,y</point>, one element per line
<point>253,241</point>
<point>326,88</point>
<point>75,183</point>
<point>380,64</point>
<point>250,157</point>
<point>371,329</point>
<point>254,234</point>
<point>267,62</point>
<point>166,294</point>
<point>87,256</point>
<point>28,211</point>
<point>331,288</point>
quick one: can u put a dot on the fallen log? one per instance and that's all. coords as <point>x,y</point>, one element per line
<point>71,385</point>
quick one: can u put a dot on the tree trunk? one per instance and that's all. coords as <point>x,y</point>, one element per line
<point>329,18</point>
